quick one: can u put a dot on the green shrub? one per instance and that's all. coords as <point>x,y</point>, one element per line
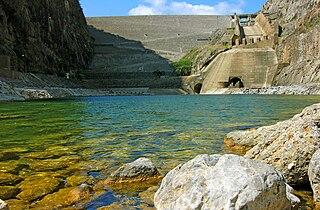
<point>313,23</point>
<point>182,67</point>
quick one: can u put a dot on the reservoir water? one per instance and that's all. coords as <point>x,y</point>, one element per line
<point>84,139</point>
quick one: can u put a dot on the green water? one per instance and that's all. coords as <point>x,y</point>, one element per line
<point>105,132</point>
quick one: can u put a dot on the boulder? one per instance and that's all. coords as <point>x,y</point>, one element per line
<point>139,170</point>
<point>3,205</point>
<point>314,176</point>
<point>37,186</point>
<point>224,182</point>
<point>9,179</point>
<point>65,197</point>
<point>8,192</point>
<point>287,145</point>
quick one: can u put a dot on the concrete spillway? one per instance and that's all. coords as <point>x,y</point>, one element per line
<point>252,68</point>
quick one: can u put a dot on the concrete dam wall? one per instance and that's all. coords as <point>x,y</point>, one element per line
<point>170,36</point>
<point>251,68</point>
<point>131,51</point>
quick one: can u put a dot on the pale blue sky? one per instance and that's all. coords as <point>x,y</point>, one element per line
<point>93,8</point>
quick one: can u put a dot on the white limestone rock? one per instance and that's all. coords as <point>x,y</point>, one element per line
<point>224,182</point>
<point>314,176</point>
<point>3,205</point>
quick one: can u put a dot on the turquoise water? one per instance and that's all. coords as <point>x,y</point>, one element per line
<point>107,132</point>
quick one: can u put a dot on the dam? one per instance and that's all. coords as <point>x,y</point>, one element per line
<point>170,36</point>
<point>136,51</point>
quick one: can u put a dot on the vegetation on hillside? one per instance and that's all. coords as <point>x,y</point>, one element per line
<point>182,67</point>
<point>313,23</point>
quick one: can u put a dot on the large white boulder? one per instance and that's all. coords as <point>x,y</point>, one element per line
<point>224,182</point>
<point>287,145</point>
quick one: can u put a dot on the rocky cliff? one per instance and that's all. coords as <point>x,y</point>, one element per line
<point>48,37</point>
<point>298,50</point>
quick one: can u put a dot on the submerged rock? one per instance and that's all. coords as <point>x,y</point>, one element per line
<point>55,164</point>
<point>17,204</point>
<point>224,182</point>
<point>139,170</point>
<point>287,145</point>
<point>3,205</point>
<point>65,197</point>
<point>314,176</point>
<point>8,192</point>
<point>9,179</point>
<point>37,186</point>
<point>8,156</point>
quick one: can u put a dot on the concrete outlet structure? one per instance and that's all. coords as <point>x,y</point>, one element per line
<point>252,68</point>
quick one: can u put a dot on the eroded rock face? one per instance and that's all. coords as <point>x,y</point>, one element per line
<point>141,169</point>
<point>224,182</point>
<point>314,176</point>
<point>47,37</point>
<point>298,49</point>
<point>287,145</point>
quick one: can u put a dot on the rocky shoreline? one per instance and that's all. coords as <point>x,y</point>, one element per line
<point>9,92</point>
<point>306,89</point>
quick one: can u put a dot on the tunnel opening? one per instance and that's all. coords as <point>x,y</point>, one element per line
<point>236,82</point>
<point>197,88</point>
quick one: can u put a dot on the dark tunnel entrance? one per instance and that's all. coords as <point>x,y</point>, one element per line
<point>197,88</point>
<point>236,82</point>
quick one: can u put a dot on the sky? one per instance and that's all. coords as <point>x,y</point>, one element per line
<point>94,8</point>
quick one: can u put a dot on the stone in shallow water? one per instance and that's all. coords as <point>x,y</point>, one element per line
<point>76,180</point>
<point>8,192</point>
<point>9,179</point>
<point>51,153</point>
<point>139,170</point>
<point>148,195</point>
<point>8,156</point>
<point>65,197</point>
<point>12,166</point>
<point>224,182</point>
<point>55,164</point>
<point>16,204</point>
<point>314,176</point>
<point>37,186</point>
